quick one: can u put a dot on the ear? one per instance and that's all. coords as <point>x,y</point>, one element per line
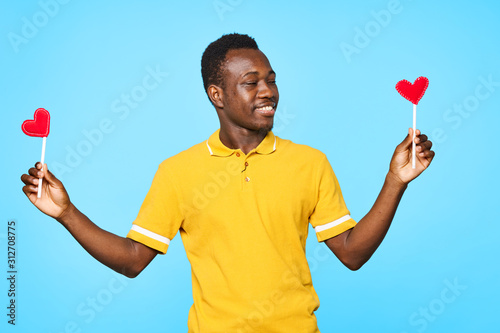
<point>216,95</point>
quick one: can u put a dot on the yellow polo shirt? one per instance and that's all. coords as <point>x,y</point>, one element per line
<point>244,221</point>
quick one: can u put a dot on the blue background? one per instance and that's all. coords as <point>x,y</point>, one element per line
<point>82,57</point>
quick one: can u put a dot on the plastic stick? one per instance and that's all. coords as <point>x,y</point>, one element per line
<point>413,147</point>
<point>42,160</point>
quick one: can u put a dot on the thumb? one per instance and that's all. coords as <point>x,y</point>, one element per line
<point>49,176</point>
<point>406,143</point>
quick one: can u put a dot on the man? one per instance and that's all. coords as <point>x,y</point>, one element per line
<point>242,201</point>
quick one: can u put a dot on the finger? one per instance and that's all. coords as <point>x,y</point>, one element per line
<point>421,138</point>
<point>424,146</point>
<point>427,154</point>
<point>38,165</point>
<point>35,172</point>
<point>30,189</point>
<point>427,159</point>
<point>29,180</point>
<point>50,176</point>
<point>431,156</point>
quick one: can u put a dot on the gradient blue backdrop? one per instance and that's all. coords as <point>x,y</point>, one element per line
<point>337,64</point>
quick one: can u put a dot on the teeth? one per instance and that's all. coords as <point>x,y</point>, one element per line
<point>265,108</point>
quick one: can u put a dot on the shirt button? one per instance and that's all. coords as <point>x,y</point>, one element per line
<point>237,154</point>
<point>246,163</point>
<point>247,179</point>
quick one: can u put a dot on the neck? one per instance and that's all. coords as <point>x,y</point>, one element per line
<point>241,138</point>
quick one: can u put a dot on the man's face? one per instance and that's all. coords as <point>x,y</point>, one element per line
<point>250,93</point>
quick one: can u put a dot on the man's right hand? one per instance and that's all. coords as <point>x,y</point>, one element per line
<point>54,200</point>
<point>124,255</point>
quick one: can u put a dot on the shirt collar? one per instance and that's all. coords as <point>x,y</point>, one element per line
<point>217,148</point>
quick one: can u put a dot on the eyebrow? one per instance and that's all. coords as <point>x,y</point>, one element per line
<point>257,73</point>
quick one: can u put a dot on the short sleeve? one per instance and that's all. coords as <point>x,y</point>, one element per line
<point>330,216</point>
<point>160,215</point>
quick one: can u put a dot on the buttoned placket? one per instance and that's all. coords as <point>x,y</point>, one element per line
<point>216,148</point>
<point>246,178</point>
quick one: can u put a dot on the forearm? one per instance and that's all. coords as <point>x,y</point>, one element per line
<point>367,235</point>
<point>111,250</point>
<point>355,246</point>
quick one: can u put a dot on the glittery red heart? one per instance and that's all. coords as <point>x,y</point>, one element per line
<point>413,92</point>
<point>40,126</point>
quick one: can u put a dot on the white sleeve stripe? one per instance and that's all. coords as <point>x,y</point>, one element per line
<point>150,234</point>
<point>209,149</point>
<point>335,223</point>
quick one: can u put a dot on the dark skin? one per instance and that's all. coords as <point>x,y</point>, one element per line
<point>355,246</point>
<point>249,84</point>
<point>245,104</point>
<point>121,254</point>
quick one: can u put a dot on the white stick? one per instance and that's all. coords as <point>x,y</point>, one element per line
<point>413,147</point>
<point>41,160</point>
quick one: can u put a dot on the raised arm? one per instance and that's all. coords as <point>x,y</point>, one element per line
<point>119,253</point>
<point>355,246</point>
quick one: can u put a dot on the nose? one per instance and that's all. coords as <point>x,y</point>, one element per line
<point>265,91</point>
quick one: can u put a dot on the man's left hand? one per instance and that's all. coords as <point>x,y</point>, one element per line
<point>401,163</point>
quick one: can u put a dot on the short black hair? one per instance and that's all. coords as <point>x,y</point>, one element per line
<point>215,54</point>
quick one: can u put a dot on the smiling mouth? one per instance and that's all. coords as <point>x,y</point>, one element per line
<point>266,110</point>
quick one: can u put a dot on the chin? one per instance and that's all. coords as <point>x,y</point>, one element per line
<point>266,128</point>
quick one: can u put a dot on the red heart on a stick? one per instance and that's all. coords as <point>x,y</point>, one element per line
<point>413,92</point>
<point>40,126</point>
